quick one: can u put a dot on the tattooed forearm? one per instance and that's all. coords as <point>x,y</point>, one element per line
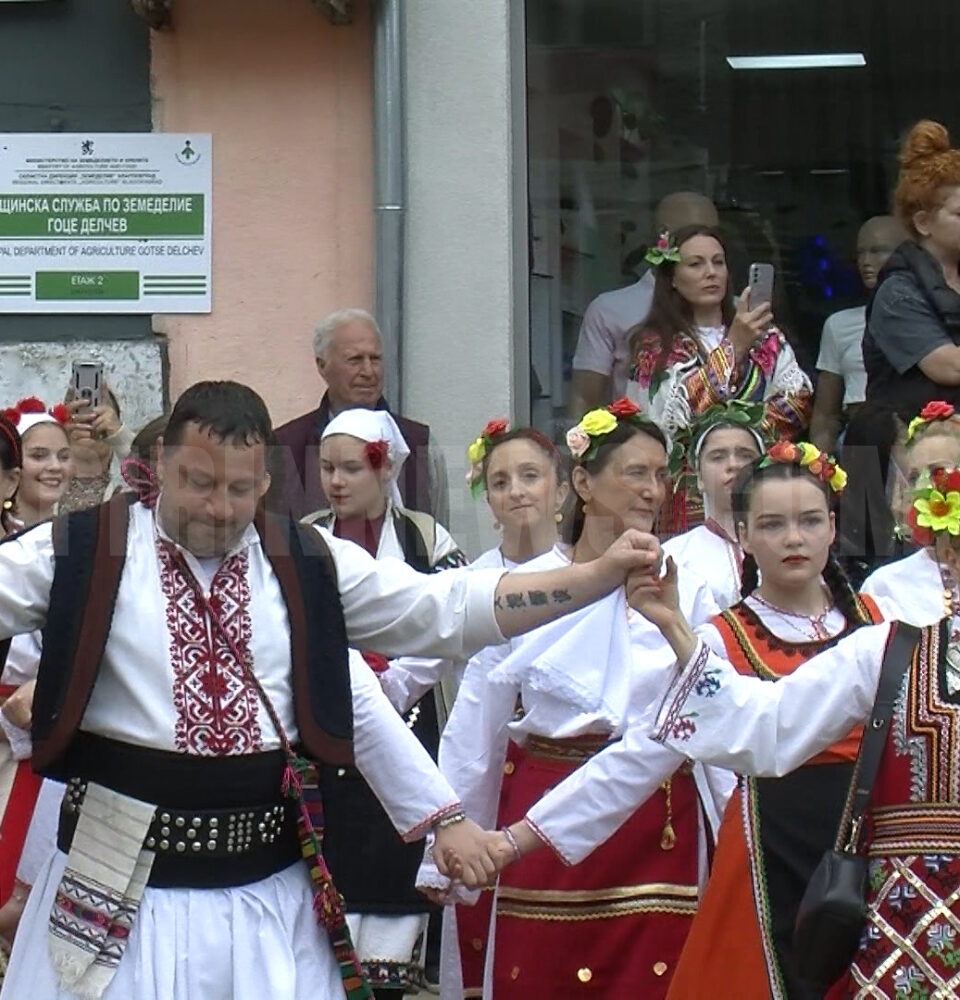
<point>513,600</point>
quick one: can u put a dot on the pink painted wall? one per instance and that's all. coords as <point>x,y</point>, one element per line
<point>287,98</point>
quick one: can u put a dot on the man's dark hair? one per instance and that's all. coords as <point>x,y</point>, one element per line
<point>228,411</point>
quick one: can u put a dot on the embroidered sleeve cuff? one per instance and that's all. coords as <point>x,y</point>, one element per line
<point>553,847</point>
<point>672,722</point>
<point>422,829</point>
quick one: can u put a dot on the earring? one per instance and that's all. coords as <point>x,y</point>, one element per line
<point>558,517</point>
<point>496,525</point>
<point>8,504</point>
<point>586,507</point>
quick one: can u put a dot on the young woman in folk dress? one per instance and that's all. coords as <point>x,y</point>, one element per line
<point>721,442</point>
<point>34,474</point>
<point>615,924</point>
<point>909,948</point>
<point>361,455</point>
<point>930,440</point>
<point>775,831</point>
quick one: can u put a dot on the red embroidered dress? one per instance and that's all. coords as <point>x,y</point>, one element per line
<point>911,945</point>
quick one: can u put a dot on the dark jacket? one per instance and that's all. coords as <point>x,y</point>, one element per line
<point>296,489</point>
<point>912,304</point>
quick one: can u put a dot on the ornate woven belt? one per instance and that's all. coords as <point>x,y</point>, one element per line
<point>915,828</point>
<point>577,748</point>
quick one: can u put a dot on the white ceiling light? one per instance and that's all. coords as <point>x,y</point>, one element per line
<point>812,60</point>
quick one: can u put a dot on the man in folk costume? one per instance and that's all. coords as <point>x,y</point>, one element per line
<point>190,645</point>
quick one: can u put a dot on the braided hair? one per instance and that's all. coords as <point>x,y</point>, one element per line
<point>744,486</point>
<point>11,457</point>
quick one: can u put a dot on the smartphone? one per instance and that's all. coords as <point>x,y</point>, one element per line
<point>761,284</point>
<point>88,382</point>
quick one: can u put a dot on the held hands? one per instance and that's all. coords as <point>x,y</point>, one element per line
<point>657,599</point>
<point>634,553</point>
<point>748,325</point>
<point>465,853</point>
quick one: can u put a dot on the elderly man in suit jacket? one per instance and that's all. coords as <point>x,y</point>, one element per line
<point>349,357</point>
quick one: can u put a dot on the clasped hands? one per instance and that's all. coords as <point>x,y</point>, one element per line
<point>467,854</point>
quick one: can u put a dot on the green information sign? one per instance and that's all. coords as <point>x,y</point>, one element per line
<point>105,222</point>
<point>84,285</point>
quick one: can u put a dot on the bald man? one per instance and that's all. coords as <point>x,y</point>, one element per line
<point>841,377</point>
<point>601,364</point>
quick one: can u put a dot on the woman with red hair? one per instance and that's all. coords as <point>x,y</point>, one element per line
<point>911,348</point>
<point>912,344</point>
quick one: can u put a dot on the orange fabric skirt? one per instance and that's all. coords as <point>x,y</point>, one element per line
<point>724,943</point>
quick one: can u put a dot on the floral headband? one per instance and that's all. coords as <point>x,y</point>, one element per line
<point>31,411</point>
<point>689,438</point>
<point>584,439</point>
<point>935,410</point>
<point>477,452</point>
<point>808,456</point>
<point>664,250</point>
<point>936,506</point>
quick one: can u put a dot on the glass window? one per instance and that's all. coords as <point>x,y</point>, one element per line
<point>632,100</point>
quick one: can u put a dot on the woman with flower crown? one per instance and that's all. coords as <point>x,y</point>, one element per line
<point>931,440</point>
<point>35,439</point>
<point>361,456</point>
<point>772,833</point>
<point>708,456</point>
<point>522,476</point>
<point>615,924</point>
<point>697,349</point>
<point>909,947</point>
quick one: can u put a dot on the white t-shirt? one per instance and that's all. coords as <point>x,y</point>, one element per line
<point>602,345</point>
<point>841,353</point>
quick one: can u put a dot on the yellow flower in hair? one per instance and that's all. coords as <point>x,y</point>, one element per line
<point>939,512</point>
<point>809,453</point>
<point>476,451</point>
<point>838,480</point>
<point>598,422</point>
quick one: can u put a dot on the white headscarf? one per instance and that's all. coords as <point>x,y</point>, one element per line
<point>374,425</point>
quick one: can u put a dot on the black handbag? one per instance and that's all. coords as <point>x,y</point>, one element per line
<point>833,910</point>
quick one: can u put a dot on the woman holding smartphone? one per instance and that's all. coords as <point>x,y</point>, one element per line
<point>698,347</point>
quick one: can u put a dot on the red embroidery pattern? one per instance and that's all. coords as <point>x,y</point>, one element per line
<point>216,708</point>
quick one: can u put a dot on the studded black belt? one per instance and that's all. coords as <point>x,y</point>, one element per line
<point>219,822</point>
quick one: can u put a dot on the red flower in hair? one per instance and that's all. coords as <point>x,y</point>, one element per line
<point>495,427</point>
<point>60,413</point>
<point>31,405</point>
<point>784,451</point>
<point>920,535</point>
<point>376,453</point>
<point>623,408</point>
<point>12,414</point>
<point>937,410</point>
<point>946,480</point>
